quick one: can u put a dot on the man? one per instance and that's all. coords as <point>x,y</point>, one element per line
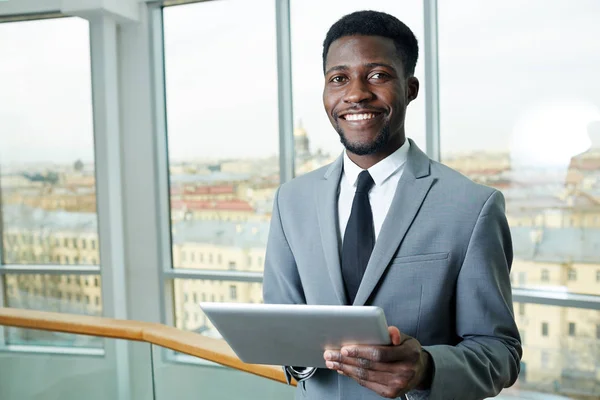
<point>384,225</point>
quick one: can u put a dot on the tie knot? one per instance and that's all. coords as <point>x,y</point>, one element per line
<point>365,182</point>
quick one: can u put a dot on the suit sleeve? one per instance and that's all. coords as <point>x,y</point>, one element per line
<point>488,357</point>
<point>281,282</point>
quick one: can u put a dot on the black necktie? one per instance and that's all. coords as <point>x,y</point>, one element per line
<point>359,237</point>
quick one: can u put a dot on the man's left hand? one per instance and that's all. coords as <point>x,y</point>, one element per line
<point>390,371</point>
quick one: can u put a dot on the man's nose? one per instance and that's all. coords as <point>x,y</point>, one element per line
<point>358,92</point>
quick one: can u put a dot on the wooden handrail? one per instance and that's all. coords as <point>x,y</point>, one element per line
<point>215,350</point>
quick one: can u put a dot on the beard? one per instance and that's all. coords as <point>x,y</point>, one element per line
<point>363,149</point>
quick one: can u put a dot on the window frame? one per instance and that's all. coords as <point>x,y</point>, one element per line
<point>51,269</point>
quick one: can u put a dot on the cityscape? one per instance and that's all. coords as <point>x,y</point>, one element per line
<point>220,213</point>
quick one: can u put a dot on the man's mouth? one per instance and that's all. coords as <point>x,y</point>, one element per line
<point>359,117</point>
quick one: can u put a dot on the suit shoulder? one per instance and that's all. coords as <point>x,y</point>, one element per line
<point>453,180</point>
<point>303,183</point>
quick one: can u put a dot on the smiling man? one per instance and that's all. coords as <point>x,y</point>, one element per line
<point>384,225</point>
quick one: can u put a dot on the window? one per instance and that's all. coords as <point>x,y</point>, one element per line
<point>571,328</point>
<point>598,331</point>
<point>232,173</point>
<point>598,275</point>
<point>545,275</point>
<point>545,359</point>
<point>521,309</point>
<point>233,292</point>
<point>525,155</point>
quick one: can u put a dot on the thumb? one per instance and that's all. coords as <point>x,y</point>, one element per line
<point>394,335</point>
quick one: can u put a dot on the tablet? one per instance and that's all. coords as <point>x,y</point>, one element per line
<point>295,335</point>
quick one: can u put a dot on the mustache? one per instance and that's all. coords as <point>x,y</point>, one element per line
<point>336,114</point>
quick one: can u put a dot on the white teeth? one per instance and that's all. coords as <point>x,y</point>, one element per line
<point>358,117</point>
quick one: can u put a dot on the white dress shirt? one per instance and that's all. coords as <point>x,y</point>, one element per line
<point>386,174</point>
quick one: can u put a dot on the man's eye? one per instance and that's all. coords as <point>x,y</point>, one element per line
<point>379,76</point>
<point>338,79</point>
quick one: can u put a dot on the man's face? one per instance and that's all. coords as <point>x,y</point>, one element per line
<point>366,93</point>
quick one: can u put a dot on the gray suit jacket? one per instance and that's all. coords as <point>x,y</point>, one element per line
<point>439,270</point>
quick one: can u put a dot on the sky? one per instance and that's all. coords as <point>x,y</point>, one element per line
<point>514,76</point>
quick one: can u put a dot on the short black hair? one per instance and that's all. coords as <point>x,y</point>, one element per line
<point>375,23</point>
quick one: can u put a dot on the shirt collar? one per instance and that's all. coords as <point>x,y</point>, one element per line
<point>381,171</point>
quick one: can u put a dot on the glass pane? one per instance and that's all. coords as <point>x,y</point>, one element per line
<point>561,351</point>
<point>520,111</point>
<point>188,293</point>
<point>47,183</point>
<point>190,376</point>
<point>317,143</point>
<point>71,294</point>
<point>223,131</point>
<point>66,376</point>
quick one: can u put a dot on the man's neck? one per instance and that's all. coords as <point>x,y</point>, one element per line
<point>368,160</point>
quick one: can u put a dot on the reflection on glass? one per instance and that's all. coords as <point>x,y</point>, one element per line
<point>192,375</point>
<point>561,349</point>
<point>47,183</point>
<point>316,142</point>
<point>71,294</point>
<point>60,376</point>
<point>508,121</point>
<point>507,124</point>
<point>223,139</point>
<point>188,293</point>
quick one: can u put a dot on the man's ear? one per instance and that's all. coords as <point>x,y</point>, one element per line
<point>412,87</point>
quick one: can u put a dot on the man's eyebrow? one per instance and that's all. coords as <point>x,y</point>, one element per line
<point>379,64</point>
<point>337,68</point>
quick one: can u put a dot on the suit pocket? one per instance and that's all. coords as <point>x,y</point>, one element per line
<point>420,258</point>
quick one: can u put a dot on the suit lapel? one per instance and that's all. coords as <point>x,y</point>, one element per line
<point>410,194</point>
<point>327,195</point>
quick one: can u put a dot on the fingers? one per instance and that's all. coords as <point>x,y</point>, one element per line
<point>408,351</point>
<point>386,384</point>
<point>395,335</point>
<point>388,370</point>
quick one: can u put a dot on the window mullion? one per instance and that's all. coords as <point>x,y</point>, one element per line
<point>109,188</point>
<point>432,87</point>
<point>284,85</point>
